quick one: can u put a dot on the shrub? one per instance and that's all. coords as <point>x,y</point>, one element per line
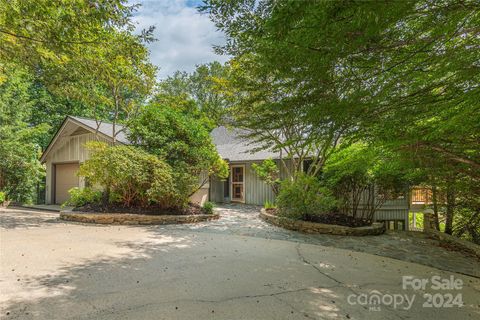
<point>304,197</point>
<point>131,176</point>
<point>181,141</point>
<point>2,197</point>
<point>207,207</point>
<point>80,197</point>
<point>269,173</point>
<point>269,205</point>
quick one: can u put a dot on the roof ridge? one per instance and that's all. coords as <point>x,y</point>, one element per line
<point>92,119</point>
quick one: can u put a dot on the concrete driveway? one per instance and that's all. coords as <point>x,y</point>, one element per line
<point>55,270</point>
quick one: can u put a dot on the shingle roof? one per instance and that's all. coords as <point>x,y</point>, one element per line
<point>232,147</point>
<point>106,128</point>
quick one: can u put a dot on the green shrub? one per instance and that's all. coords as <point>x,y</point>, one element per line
<point>80,197</point>
<point>269,173</point>
<point>2,197</point>
<point>304,196</point>
<point>131,176</point>
<point>182,142</point>
<point>207,207</point>
<point>269,205</point>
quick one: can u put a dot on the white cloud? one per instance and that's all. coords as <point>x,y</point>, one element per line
<point>185,37</point>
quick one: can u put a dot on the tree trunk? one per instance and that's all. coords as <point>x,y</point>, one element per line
<point>450,208</point>
<point>435,207</point>
<point>106,197</point>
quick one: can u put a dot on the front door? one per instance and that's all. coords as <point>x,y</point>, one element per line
<point>238,183</point>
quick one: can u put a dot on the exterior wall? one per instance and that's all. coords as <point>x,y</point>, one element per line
<point>71,149</point>
<point>68,149</point>
<point>257,193</point>
<point>201,196</point>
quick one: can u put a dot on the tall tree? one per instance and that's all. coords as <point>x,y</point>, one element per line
<point>205,87</point>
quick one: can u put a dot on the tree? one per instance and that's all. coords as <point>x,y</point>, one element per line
<point>204,88</point>
<point>269,173</point>
<point>401,75</point>
<point>85,51</point>
<point>363,177</point>
<point>182,141</point>
<point>20,170</point>
<point>34,33</point>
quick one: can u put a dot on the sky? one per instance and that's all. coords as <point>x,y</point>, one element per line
<point>184,36</point>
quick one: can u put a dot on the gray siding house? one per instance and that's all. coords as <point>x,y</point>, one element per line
<point>66,152</point>
<point>244,186</point>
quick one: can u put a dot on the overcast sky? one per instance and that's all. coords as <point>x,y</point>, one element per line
<point>185,37</point>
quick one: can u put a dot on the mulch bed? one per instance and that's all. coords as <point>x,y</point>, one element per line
<point>192,209</point>
<point>331,218</point>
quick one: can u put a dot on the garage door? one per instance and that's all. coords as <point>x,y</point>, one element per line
<point>65,179</point>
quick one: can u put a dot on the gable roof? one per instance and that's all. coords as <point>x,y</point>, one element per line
<point>231,146</point>
<point>105,129</point>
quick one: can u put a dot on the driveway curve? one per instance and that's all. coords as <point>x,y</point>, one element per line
<point>235,268</point>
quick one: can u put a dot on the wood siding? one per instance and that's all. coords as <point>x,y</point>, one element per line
<point>257,193</point>
<point>69,149</point>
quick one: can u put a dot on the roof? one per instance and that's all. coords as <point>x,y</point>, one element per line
<point>105,127</point>
<point>231,146</point>
<point>229,142</point>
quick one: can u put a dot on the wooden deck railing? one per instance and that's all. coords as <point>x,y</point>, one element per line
<point>421,196</point>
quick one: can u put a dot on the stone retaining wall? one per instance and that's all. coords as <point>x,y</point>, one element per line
<point>134,219</point>
<point>429,228</point>
<point>312,227</point>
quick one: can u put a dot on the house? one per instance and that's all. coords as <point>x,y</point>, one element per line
<point>66,152</point>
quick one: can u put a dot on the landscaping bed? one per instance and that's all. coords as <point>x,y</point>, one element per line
<point>323,228</point>
<point>133,219</point>
<point>192,209</point>
<point>331,218</point>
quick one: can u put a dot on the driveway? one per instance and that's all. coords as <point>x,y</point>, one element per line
<point>234,268</point>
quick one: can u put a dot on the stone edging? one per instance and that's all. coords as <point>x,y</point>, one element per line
<point>134,219</point>
<point>470,247</point>
<point>312,227</point>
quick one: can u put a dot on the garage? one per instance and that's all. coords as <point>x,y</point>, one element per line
<point>65,179</point>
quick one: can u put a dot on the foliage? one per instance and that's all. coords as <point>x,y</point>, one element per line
<point>401,75</point>
<point>201,93</point>
<point>363,177</point>
<point>182,141</point>
<point>84,56</point>
<point>80,197</point>
<point>207,207</point>
<point>46,31</point>
<point>303,197</point>
<point>136,177</point>
<point>269,205</point>
<point>20,170</point>
<point>269,173</point>
<point>2,197</point>
<point>467,224</point>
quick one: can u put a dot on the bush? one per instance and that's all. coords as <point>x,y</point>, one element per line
<point>304,197</point>
<point>207,207</point>
<point>269,205</point>
<point>269,173</point>
<point>2,197</point>
<point>181,141</point>
<point>131,177</point>
<point>81,197</point>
